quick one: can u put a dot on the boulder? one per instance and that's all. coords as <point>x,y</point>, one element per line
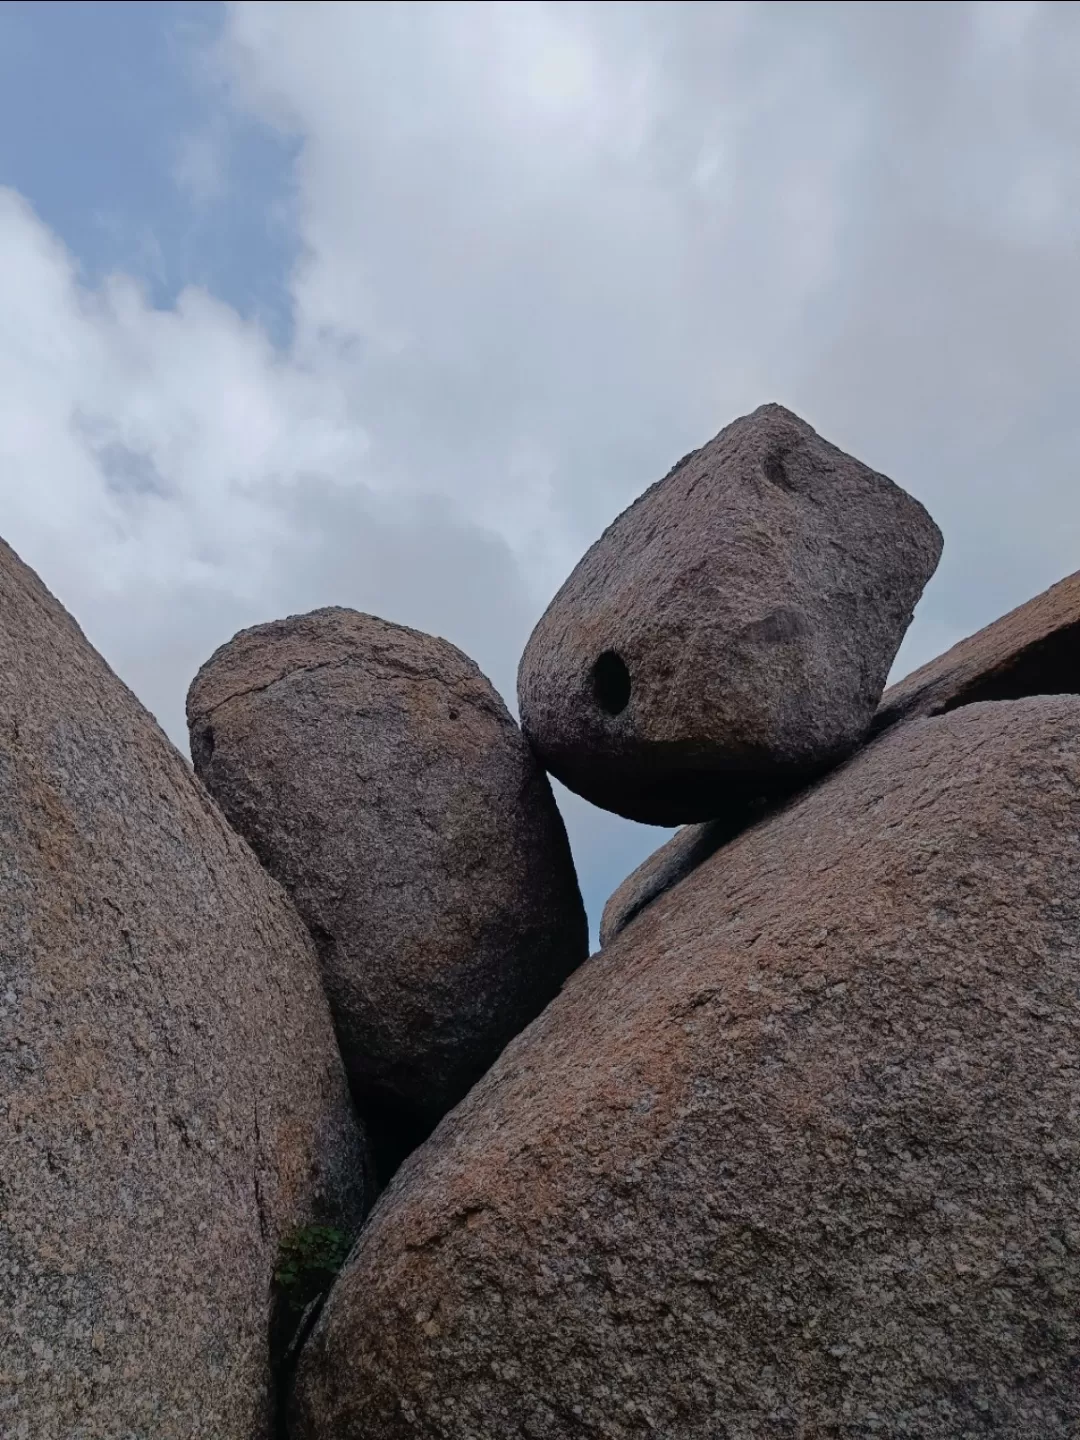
<point>673,861</point>
<point>729,636</point>
<point>172,1103</point>
<point>797,1154</point>
<point>379,777</point>
<point>1034,650</point>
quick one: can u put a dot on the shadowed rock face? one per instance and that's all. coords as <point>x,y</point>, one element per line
<point>729,636</point>
<point>797,1154</point>
<point>1034,650</point>
<point>379,777</point>
<point>171,1097</point>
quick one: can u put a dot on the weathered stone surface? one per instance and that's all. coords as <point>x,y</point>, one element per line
<point>379,776</point>
<point>1034,650</point>
<point>171,1098</point>
<point>666,866</point>
<point>730,635</point>
<point>798,1154</point>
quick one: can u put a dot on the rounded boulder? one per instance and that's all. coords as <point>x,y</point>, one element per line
<point>729,636</point>
<point>378,775</point>
<point>173,1107</point>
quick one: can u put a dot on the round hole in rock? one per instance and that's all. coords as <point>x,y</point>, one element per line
<point>611,682</point>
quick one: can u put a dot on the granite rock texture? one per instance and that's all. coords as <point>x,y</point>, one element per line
<point>729,636</point>
<point>1034,650</point>
<point>797,1154</point>
<point>172,1102</point>
<point>673,861</point>
<point>380,778</point>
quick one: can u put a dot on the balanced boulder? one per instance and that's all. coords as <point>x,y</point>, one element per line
<point>798,1154</point>
<point>729,636</point>
<point>380,778</point>
<point>172,1103</point>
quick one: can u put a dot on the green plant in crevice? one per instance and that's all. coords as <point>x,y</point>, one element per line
<point>309,1259</point>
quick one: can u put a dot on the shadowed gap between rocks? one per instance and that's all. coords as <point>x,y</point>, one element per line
<point>1050,666</point>
<point>393,1127</point>
<point>308,1262</point>
<point>286,1342</point>
<point>393,1132</point>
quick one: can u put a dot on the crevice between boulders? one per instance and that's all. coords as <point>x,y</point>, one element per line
<point>1050,666</point>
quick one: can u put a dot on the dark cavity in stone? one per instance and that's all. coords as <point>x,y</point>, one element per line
<point>611,682</point>
<point>776,471</point>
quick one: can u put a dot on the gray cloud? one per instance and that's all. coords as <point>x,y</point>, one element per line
<point>420,564</point>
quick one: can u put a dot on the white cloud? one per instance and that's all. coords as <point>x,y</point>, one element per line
<point>173,477</point>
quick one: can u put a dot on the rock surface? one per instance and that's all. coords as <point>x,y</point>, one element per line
<point>171,1098</point>
<point>380,778</point>
<point>1034,650</point>
<point>666,866</point>
<point>799,1154</point>
<point>730,635</point>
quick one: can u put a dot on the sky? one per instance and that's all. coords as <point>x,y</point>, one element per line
<point>396,306</point>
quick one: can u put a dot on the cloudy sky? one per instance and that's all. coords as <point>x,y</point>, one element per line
<point>397,305</point>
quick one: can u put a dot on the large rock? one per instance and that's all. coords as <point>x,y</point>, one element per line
<point>729,636</point>
<point>799,1154</point>
<point>380,778</point>
<point>172,1103</point>
<point>1034,650</point>
<point>673,861</point>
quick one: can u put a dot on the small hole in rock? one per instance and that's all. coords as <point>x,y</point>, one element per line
<point>776,471</point>
<point>208,742</point>
<point>611,682</point>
